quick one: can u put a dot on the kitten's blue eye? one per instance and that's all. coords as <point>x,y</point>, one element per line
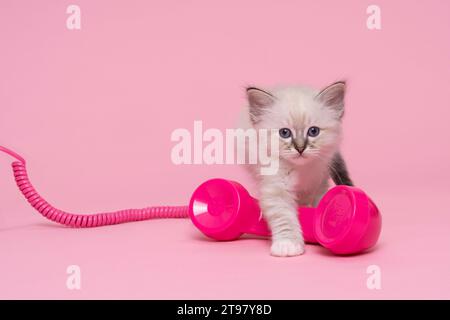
<point>313,131</point>
<point>285,133</point>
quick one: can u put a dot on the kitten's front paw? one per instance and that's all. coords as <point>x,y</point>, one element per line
<point>287,248</point>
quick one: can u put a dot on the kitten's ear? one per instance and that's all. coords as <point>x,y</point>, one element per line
<point>259,101</point>
<point>333,97</point>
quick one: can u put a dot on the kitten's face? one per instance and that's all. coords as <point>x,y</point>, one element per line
<point>307,123</point>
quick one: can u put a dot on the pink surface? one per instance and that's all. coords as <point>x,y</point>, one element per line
<point>92,111</point>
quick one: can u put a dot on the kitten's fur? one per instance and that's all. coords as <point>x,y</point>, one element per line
<point>305,165</point>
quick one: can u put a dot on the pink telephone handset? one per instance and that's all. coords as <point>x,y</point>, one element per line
<point>346,221</point>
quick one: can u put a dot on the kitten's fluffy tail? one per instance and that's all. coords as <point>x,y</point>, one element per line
<point>85,220</point>
<point>339,172</point>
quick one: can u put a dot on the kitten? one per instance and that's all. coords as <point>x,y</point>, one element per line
<point>308,125</point>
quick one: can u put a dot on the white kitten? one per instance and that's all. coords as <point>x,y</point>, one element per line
<point>307,123</point>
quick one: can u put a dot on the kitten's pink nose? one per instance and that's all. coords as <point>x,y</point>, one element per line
<point>299,145</point>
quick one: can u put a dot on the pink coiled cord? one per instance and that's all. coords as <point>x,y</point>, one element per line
<point>85,220</point>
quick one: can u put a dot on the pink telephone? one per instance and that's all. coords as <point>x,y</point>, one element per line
<point>346,220</point>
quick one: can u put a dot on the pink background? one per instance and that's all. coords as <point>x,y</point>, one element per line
<point>92,111</point>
